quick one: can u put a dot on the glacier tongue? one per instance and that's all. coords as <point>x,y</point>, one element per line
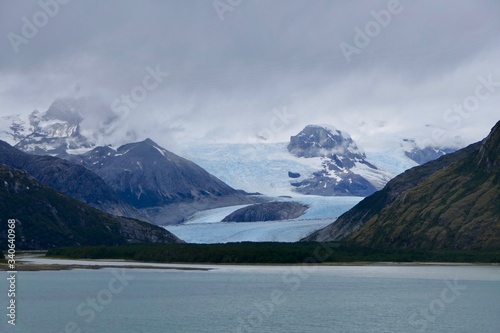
<point>205,226</point>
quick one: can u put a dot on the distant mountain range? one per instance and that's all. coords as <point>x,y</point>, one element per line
<point>449,203</point>
<point>46,218</point>
<point>141,180</point>
<point>342,167</point>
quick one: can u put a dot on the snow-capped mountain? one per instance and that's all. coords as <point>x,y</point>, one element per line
<point>168,189</point>
<point>324,141</point>
<point>344,171</point>
<point>54,132</point>
<point>156,180</point>
<point>269,168</point>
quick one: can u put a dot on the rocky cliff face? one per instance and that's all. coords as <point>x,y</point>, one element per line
<point>46,218</point>
<point>449,203</point>
<point>325,141</point>
<point>269,211</point>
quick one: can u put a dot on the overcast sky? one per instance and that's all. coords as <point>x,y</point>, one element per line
<point>238,69</point>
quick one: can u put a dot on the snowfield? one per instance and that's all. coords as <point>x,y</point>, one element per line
<point>253,167</point>
<point>264,167</point>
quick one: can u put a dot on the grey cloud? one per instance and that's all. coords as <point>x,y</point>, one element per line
<point>227,76</point>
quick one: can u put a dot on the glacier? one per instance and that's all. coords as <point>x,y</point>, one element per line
<point>206,226</point>
<point>264,167</point>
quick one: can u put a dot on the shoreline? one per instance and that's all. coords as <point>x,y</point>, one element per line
<point>59,264</point>
<point>23,267</point>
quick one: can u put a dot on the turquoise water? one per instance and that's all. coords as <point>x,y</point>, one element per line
<point>258,299</point>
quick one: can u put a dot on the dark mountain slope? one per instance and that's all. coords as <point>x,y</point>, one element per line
<point>69,178</point>
<point>146,175</point>
<point>46,218</point>
<point>450,203</point>
<point>372,205</point>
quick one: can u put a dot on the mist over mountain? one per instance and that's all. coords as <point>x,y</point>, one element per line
<point>52,132</point>
<point>70,125</point>
<point>422,155</point>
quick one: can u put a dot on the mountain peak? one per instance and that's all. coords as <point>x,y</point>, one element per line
<point>148,141</point>
<point>146,175</point>
<point>324,141</point>
<point>146,147</point>
<point>489,153</point>
<point>344,165</point>
<point>55,131</point>
<point>327,128</point>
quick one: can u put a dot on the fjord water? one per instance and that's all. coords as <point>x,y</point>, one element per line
<point>259,299</point>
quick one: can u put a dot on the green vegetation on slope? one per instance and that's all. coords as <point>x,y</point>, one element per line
<point>46,218</point>
<point>457,207</point>
<point>451,203</point>
<point>434,220</point>
<point>271,253</point>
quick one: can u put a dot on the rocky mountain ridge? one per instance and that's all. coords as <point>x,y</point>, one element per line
<point>153,179</point>
<point>69,178</point>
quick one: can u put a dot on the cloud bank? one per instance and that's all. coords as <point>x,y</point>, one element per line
<point>411,68</point>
